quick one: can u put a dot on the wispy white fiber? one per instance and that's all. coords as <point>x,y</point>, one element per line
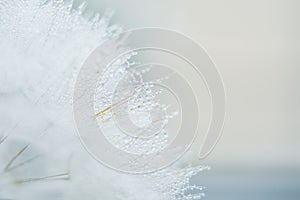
<point>43,43</point>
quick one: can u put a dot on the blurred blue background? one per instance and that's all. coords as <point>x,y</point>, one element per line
<point>256,46</point>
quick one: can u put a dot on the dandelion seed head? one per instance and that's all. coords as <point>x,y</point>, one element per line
<point>43,44</point>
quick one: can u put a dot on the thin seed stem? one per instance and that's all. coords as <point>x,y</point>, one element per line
<point>9,164</point>
<point>63,176</point>
<point>22,163</point>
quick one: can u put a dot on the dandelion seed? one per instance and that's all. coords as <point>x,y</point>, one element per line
<point>43,44</point>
